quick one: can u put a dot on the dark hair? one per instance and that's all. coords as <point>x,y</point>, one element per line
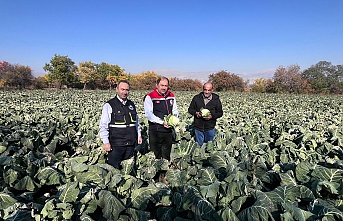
<point>123,81</point>
<point>162,78</point>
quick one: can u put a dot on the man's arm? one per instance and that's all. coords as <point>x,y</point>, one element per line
<point>219,110</point>
<point>138,128</point>
<point>148,109</point>
<point>103,126</point>
<point>192,109</point>
<point>175,109</point>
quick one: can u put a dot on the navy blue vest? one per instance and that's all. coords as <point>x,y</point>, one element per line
<point>122,128</point>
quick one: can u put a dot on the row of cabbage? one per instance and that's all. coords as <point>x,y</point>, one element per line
<point>275,157</point>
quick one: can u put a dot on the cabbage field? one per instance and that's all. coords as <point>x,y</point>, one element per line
<point>275,157</point>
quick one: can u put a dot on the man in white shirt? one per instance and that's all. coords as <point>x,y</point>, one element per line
<point>119,128</point>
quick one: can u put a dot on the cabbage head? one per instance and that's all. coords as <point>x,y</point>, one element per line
<point>172,120</point>
<point>205,112</point>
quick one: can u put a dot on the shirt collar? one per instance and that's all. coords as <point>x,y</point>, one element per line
<point>121,100</point>
<point>207,98</point>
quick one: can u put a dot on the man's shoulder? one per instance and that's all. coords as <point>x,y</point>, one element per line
<point>152,93</point>
<point>130,102</point>
<point>214,95</point>
<point>112,100</point>
<point>199,95</point>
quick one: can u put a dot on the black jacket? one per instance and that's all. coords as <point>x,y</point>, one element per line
<point>215,107</point>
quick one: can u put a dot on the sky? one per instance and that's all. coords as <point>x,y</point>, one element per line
<point>179,38</point>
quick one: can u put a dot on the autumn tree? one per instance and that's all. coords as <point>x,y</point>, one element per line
<point>41,82</point>
<point>144,81</point>
<point>5,68</point>
<point>108,75</point>
<point>177,84</point>
<point>261,85</point>
<point>87,74</point>
<point>289,80</point>
<point>61,70</point>
<point>15,75</point>
<point>226,81</point>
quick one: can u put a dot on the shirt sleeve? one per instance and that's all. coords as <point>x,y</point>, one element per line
<point>104,121</point>
<point>148,109</point>
<point>138,128</point>
<point>175,110</point>
<point>191,108</point>
<point>218,110</point>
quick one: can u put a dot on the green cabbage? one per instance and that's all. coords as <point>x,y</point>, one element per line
<point>205,112</point>
<point>172,120</point>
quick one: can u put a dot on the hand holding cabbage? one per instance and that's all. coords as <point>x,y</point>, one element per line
<point>205,112</point>
<point>172,120</point>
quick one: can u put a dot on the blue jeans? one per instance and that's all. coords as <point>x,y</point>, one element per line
<point>202,137</point>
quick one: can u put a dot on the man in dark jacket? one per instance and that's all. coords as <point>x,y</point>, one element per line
<point>204,126</point>
<point>119,128</point>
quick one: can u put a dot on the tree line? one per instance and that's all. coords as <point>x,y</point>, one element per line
<point>62,72</point>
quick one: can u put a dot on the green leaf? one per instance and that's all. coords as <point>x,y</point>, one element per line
<point>177,178</point>
<point>128,165</point>
<point>259,211</point>
<point>166,213</point>
<point>86,218</point>
<point>48,176</point>
<point>48,210</point>
<point>205,211</point>
<point>289,194</point>
<point>326,210</point>
<point>26,183</point>
<point>288,179</point>
<point>206,177</point>
<point>139,215</point>
<point>210,190</point>
<point>228,214</point>
<point>70,192</point>
<point>111,206</point>
<point>6,200</point>
<point>330,175</point>
<point>10,176</point>
<point>18,215</point>
<point>222,159</point>
<point>140,197</point>
<point>303,171</point>
<point>296,213</point>
<point>94,174</point>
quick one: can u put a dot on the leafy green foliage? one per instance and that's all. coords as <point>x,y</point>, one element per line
<point>274,157</point>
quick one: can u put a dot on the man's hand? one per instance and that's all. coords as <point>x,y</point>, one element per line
<point>208,117</point>
<point>198,114</point>
<point>140,140</point>
<point>107,147</point>
<point>166,125</point>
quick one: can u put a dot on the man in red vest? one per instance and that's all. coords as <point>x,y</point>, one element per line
<point>157,104</point>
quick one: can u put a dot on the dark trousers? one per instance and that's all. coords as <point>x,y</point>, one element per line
<point>161,144</point>
<point>118,154</point>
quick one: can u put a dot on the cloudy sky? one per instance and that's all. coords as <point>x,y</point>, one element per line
<point>182,38</point>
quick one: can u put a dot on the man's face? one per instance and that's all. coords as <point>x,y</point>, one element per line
<point>123,90</point>
<point>207,90</point>
<point>162,87</point>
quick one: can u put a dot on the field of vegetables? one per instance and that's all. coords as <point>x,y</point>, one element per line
<point>275,157</point>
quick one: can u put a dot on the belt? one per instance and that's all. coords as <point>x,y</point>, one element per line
<point>121,125</point>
